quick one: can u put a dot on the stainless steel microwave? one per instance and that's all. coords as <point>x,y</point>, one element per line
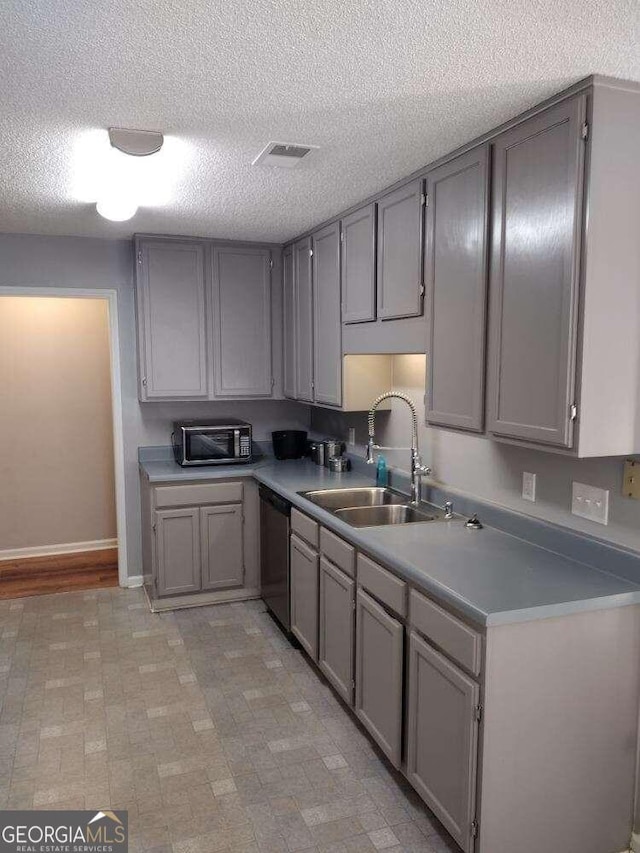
<point>211,442</point>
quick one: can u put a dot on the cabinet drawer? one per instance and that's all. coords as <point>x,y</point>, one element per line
<point>304,527</point>
<point>458,640</point>
<point>338,551</point>
<point>198,494</point>
<point>384,586</point>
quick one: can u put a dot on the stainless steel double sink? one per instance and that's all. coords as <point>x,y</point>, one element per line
<point>372,507</point>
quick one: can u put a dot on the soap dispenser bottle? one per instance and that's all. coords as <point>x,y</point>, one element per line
<point>382,472</point>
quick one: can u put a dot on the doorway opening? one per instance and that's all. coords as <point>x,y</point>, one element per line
<point>62,497</point>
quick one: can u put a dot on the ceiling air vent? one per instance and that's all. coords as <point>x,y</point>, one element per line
<point>283,154</point>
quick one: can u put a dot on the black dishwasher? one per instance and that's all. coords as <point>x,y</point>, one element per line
<point>275,513</point>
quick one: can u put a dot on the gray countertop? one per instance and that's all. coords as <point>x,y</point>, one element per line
<point>490,576</point>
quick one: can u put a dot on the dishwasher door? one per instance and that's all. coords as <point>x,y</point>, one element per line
<point>274,554</point>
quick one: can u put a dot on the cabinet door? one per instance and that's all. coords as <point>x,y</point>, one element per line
<point>337,628</point>
<point>327,334</point>
<point>221,543</point>
<point>304,595</point>
<point>177,550</point>
<point>289,324</point>
<point>171,319</point>
<point>241,307</point>
<point>442,740</point>
<point>456,284</point>
<point>537,221</point>
<point>359,265</point>
<point>400,233</point>
<point>379,642</point>
<point>304,320</point>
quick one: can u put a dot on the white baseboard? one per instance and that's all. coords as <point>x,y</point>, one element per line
<point>135,580</point>
<point>54,550</point>
<point>635,843</point>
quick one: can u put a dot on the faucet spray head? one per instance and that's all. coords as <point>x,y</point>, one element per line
<point>370,446</point>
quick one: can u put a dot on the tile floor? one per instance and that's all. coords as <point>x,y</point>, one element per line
<point>205,724</point>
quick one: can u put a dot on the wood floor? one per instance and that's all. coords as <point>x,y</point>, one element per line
<point>59,573</point>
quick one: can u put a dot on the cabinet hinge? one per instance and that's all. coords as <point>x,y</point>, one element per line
<point>140,256</point>
<point>144,381</point>
<point>153,527</point>
<point>477,713</point>
<point>342,236</point>
<point>273,382</point>
<point>424,199</point>
<point>270,263</point>
<point>573,412</point>
<point>584,132</point>
<point>422,290</point>
<point>474,828</point>
<point>310,253</point>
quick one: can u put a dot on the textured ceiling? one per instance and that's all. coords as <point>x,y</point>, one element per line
<point>383,86</point>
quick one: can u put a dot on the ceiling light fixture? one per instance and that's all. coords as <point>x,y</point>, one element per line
<point>119,203</point>
<point>122,169</point>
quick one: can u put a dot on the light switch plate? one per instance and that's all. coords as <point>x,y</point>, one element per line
<point>528,486</point>
<point>631,479</point>
<point>590,502</point>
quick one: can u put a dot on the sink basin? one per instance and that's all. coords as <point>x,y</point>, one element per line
<point>371,507</point>
<point>376,516</point>
<point>338,499</point>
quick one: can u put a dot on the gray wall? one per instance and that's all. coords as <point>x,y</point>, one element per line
<point>32,260</point>
<point>490,470</point>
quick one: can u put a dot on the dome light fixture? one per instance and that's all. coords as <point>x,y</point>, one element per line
<point>116,209</point>
<point>119,201</point>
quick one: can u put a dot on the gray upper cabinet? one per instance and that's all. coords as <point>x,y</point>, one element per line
<point>221,546</point>
<point>303,591</point>
<point>536,212</point>
<point>171,319</point>
<point>241,320</point>
<point>455,273</point>
<point>358,238</point>
<point>302,258</point>
<point>289,324</point>
<point>379,658</point>
<point>327,339</point>
<point>337,628</point>
<point>442,742</point>
<point>399,260</point>
<point>177,550</point>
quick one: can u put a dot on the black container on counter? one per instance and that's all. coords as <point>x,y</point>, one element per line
<point>289,443</point>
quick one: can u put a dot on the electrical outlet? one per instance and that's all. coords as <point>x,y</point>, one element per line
<point>352,436</point>
<point>590,502</point>
<point>528,486</point>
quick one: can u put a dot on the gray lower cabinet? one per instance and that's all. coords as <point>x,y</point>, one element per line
<point>178,550</point>
<point>379,660</point>
<point>199,537</point>
<point>358,237</point>
<point>442,738</point>
<point>222,546</point>
<point>337,628</point>
<point>538,172</point>
<point>241,321</point>
<point>302,257</point>
<point>327,340</point>
<point>455,273</point>
<point>303,585</point>
<point>172,342</point>
<point>399,252</point>
<point>288,325</point>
